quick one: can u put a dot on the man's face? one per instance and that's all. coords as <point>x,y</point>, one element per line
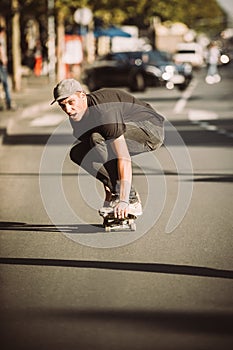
<point>75,105</point>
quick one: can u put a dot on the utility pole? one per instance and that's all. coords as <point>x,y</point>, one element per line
<point>51,41</point>
<point>16,52</point>
<point>60,45</point>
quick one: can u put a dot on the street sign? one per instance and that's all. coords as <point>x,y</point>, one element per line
<point>83,16</point>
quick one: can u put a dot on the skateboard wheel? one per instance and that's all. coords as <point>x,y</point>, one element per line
<point>132,226</point>
<point>107,229</point>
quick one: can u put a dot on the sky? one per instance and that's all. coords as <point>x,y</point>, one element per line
<point>227,5</point>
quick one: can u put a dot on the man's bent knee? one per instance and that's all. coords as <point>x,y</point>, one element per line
<point>75,156</point>
<point>96,139</point>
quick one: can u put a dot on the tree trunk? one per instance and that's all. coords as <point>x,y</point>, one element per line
<point>51,41</point>
<point>60,45</point>
<point>16,51</point>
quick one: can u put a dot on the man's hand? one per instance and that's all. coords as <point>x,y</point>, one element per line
<point>121,210</point>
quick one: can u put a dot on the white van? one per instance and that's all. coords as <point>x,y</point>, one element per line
<point>189,53</point>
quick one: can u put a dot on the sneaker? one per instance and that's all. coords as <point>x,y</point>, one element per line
<point>135,205</point>
<point>106,209</point>
<point>135,209</point>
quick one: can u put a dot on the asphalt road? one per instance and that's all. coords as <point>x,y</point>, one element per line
<point>68,285</point>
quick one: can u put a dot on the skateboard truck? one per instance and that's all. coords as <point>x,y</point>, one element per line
<point>111,223</point>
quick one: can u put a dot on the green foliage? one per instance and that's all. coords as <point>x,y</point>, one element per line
<point>70,5</point>
<point>197,14</point>
<point>200,15</point>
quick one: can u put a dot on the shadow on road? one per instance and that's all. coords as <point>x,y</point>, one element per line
<point>123,266</point>
<point>195,177</point>
<point>179,321</point>
<point>201,133</point>
<point>192,134</point>
<point>222,179</point>
<point>37,139</point>
<point>75,229</point>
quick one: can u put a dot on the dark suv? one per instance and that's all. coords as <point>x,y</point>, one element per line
<point>136,70</point>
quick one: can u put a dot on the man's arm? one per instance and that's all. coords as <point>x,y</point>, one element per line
<point>124,173</point>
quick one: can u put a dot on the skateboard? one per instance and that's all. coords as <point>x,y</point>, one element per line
<point>111,223</point>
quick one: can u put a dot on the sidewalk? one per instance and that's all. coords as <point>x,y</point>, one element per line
<point>34,98</point>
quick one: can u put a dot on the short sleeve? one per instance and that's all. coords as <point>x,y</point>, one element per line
<point>112,131</point>
<point>111,124</point>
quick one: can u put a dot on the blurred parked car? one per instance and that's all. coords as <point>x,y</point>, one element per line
<point>189,53</point>
<point>136,71</point>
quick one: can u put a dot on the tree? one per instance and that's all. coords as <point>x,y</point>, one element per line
<point>202,16</point>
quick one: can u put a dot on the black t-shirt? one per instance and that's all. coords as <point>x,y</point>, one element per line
<point>109,110</point>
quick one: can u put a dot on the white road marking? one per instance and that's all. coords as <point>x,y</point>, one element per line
<point>199,114</point>
<point>203,119</point>
<point>180,104</point>
<point>35,109</point>
<point>47,120</point>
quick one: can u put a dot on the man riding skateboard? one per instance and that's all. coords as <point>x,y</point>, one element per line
<point>110,126</point>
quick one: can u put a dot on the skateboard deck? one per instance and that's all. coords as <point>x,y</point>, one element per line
<point>111,223</point>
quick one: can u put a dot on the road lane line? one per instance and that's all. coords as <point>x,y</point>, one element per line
<point>203,118</point>
<point>51,119</point>
<point>180,104</point>
<point>200,114</point>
